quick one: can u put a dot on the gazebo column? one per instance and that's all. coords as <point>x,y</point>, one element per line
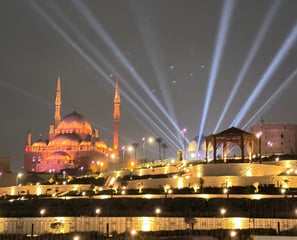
<point>206,152</point>
<point>225,151</point>
<point>242,146</point>
<point>214,149</point>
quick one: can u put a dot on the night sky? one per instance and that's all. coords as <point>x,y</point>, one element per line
<point>167,54</point>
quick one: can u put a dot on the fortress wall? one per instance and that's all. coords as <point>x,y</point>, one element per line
<point>216,181</point>
<point>42,189</point>
<point>236,169</point>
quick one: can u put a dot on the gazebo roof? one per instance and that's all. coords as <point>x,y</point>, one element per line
<point>233,131</point>
<point>231,134</point>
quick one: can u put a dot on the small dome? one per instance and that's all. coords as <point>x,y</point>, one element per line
<point>74,122</point>
<point>84,143</point>
<point>101,144</point>
<point>65,140</point>
<point>39,143</point>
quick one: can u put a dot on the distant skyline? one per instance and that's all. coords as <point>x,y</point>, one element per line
<point>167,54</point>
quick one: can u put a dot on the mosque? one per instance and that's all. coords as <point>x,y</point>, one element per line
<point>72,142</point>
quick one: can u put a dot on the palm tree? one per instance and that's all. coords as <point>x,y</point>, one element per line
<point>164,146</point>
<point>135,146</point>
<point>159,141</point>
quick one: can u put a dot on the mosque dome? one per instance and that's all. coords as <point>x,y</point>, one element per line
<point>74,122</point>
<point>70,139</point>
<point>101,144</point>
<point>39,143</point>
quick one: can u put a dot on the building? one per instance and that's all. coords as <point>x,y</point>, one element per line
<point>4,164</point>
<point>276,138</point>
<point>72,143</point>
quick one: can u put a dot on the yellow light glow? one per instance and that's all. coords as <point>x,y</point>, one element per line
<point>257,196</point>
<point>38,191</point>
<point>60,219</point>
<point>205,196</point>
<point>180,183</point>
<point>283,190</point>
<point>146,224</point>
<point>237,222</point>
<point>233,234</point>
<point>288,165</point>
<point>223,211</point>
<point>249,172</point>
<point>104,196</point>
<point>133,232</point>
<point>148,196</point>
<point>112,180</point>
<point>12,191</point>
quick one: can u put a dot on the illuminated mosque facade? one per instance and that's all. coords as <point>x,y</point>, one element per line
<point>72,142</point>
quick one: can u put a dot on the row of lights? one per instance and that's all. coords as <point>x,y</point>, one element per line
<point>158,211</point>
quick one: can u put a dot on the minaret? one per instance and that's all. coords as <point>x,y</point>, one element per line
<point>58,103</point>
<point>28,142</point>
<point>116,116</point>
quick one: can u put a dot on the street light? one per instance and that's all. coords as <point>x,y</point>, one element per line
<point>223,211</point>
<point>259,136</point>
<point>226,191</point>
<point>97,212</point>
<point>143,148</point>
<point>42,212</point>
<point>158,211</point>
<point>233,234</point>
<point>133,233</point>
<point>150,140</point>
<point>183,131</point>
<point>123,151</point>
<point>19,175</point>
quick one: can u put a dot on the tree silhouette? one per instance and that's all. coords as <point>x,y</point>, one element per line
<point>164,146</point>
<point>159,141</point>
<point>135,146</point>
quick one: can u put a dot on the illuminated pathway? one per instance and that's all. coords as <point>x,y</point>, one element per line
<point>43,225</point>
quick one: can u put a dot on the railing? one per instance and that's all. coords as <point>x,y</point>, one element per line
<point>41,225</point>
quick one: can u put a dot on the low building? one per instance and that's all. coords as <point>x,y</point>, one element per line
<point>276,138</point>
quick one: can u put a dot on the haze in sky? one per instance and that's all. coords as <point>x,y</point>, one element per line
<point>200,65</point>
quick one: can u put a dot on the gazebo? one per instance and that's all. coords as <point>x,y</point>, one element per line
<point>229,138</point>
